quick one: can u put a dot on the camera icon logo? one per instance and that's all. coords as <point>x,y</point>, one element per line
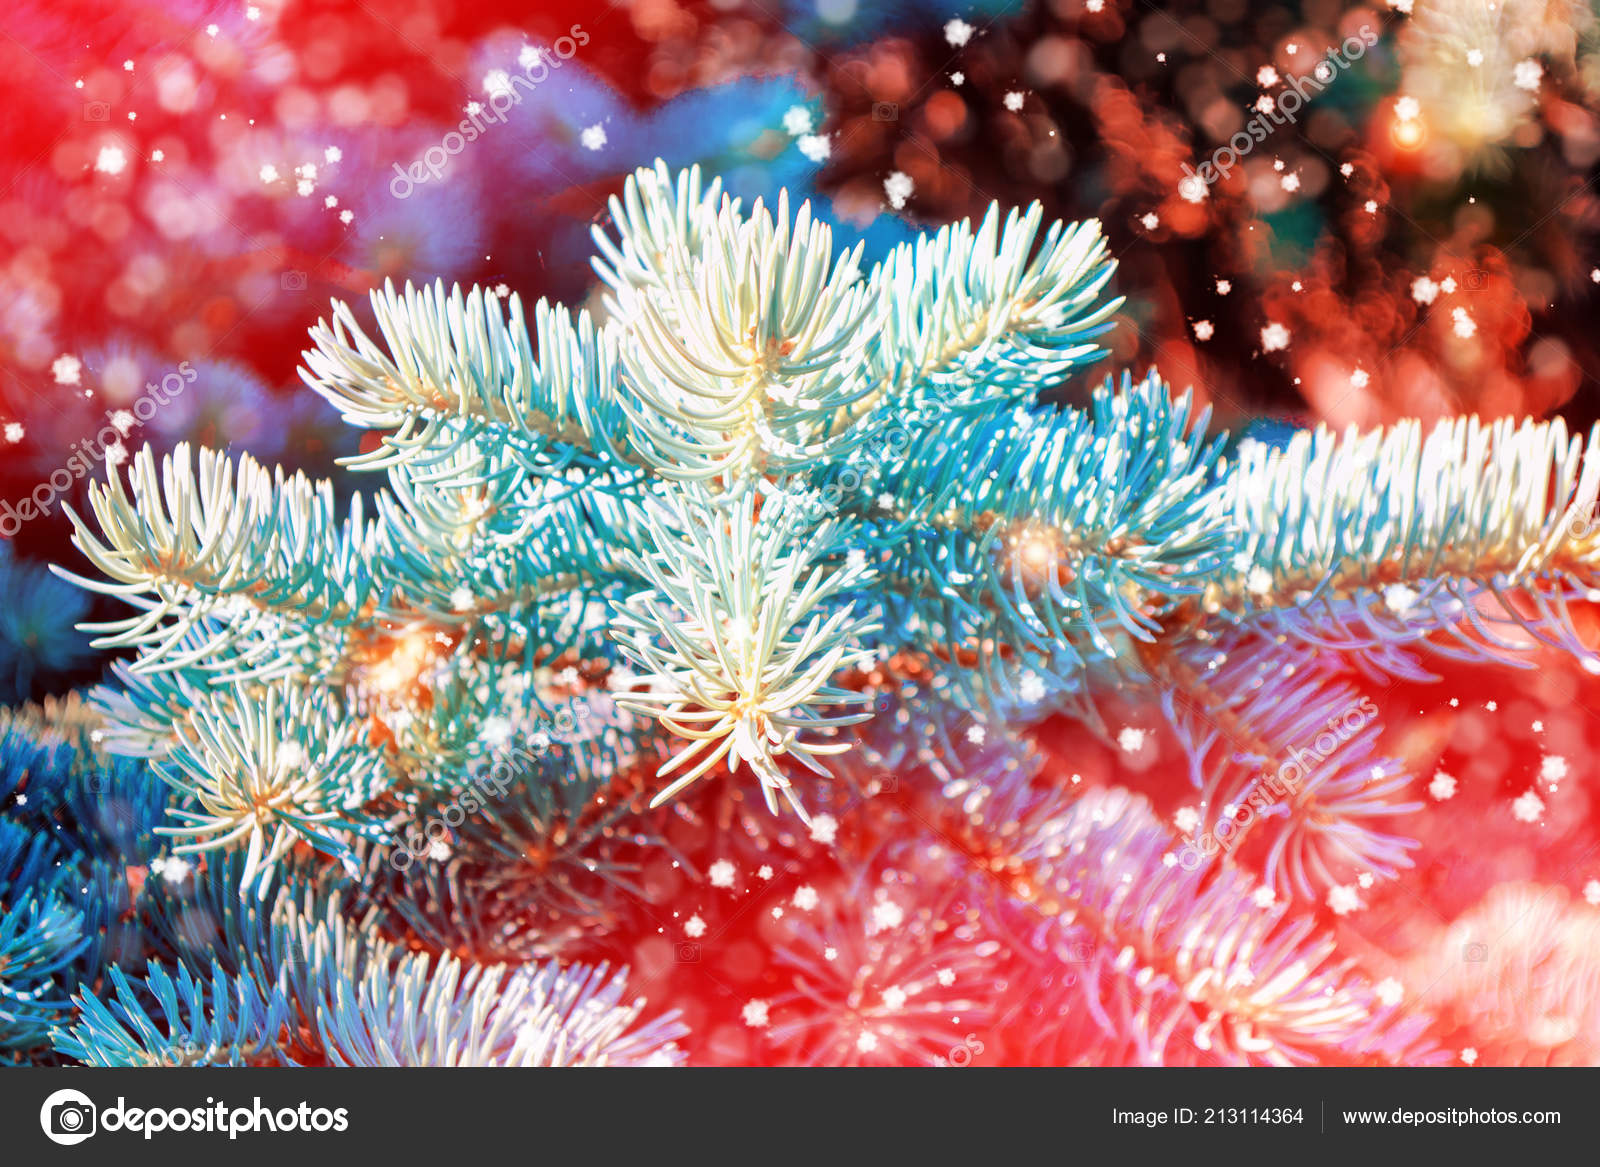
<point>686,953</point>
<point>68,1117</point>
<point>294,281</point>
<point>96,111</point>
<point>885,111</point>
<point>1475,279</point>
<point>1475,952</point>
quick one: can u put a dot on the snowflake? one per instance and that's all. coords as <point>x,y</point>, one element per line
<point>1290,182</point>
<point>1265,104</point>
<point>797,121</point>
<point>347,216</point>
<point>1150,220</point>
<point>1186,819</point>
<point>867,1042</point>
<point>157,155</point>
<point>332,154</point>
<point>1014,101</point>
<point>805,898</point>
<point>694,927</point>
<point>1204,330</point>
<point>1591,893</point>
<point>1474,57</point>
<point>1407,108</point>
<point>14,432</point>
<point>1443,787</point>
<point>1365,879</point>
<point>116,454</point>
<point>1424,290</point>
<point>1447,285</point>
<point>824,829</point>
<point>1343,899</point>
<point>439,850</point>
<point>886,914</point>
<point>958,32</point>
<point>1465,326</point>
<point>1264,896</point>
<point>497,81</point>
<point>268,172</point>
<point>1224,287</point>
<point>111,160</point>
<point>721,873</point>
<point>331,201</point>
<point>304,187</point>
<point>1193,189</point>
<point>894,997</point>
<point>1266,75</point>
<point>1552,768</point>
<point>593,137</point>
<point>1031,688</point>
<point>1359,379</point>
<point>1527,808</point>
<point>1468,1055</point>
<point>1274,337</point>
<point>171,868</point>
<point>1371,206</point>
<point>1389,991</point>
<point>1401,6</point>
<point>898,187</point>
<point>1131,739</point>
<point>67,369</point>
<point>814,146</point>
<point>1258,582</point>
<point>1399,599</point>
<point>1094,5</point>
<point>755,1014</point>
<point>946,977</point>
<point>957,78</point>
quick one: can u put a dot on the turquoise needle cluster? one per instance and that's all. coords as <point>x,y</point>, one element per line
<point>755,472</point>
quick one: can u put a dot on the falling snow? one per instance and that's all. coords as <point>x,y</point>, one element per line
<point>1343,899</point>
<point>1274,337</point>
<point>1528,808</point>
<point>898,188</point>
<point>67,369</point>
<point>814,146</point>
